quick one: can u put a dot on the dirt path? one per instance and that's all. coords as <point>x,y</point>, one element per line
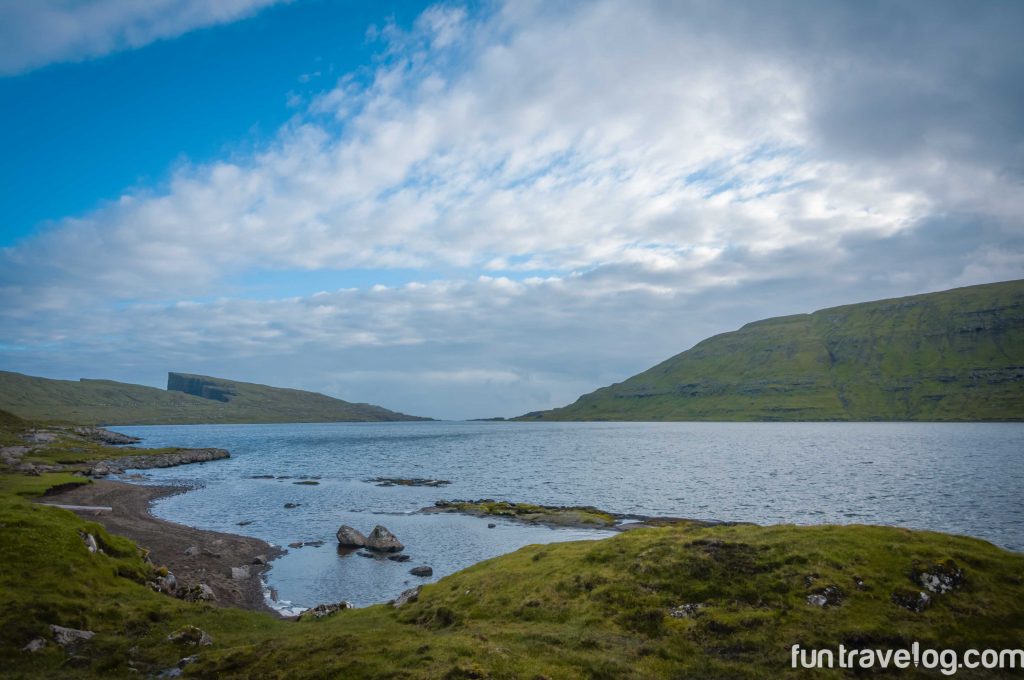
<point>167,542</point>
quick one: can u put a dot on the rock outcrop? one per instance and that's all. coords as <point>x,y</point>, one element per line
<point>323,610</point>
<point>156,460</point>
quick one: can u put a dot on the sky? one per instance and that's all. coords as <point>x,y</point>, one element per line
<point>480,209</point>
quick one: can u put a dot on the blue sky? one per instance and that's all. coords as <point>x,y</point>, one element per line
<point>96,127</point>
<point>478,209</point>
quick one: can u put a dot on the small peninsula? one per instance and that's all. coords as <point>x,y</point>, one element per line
<point>188,399</point>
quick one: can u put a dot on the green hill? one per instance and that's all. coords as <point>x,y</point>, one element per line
<point>954,355</point>
<point>188,399</point>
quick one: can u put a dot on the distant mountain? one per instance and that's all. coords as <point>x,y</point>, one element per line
<point>188,399</point>
<point>954,355</point>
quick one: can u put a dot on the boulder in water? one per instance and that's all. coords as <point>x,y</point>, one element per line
<point>350,538</point>
<point>382,540</point>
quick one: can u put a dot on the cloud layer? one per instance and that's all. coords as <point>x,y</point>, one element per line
<point>586,189</point>
<point>34,33</point>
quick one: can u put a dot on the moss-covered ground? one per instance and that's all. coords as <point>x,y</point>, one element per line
<point>593,609</point>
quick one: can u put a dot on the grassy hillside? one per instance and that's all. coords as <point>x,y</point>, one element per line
<point>954,355</point>
<point>685,601</point>
<point>109,402</point>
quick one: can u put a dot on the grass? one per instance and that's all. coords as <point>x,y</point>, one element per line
<point>591,609</point>
<point>91,402</point>
<point>957,355</point>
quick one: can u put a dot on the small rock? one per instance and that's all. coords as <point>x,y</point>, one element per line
<point>421,571</point>
<point>349,537</point>
<point>190,635</point>
<point>296,544</point>
<point>406,597</point>
<point>167,584</point>
<point>829,596</point>
<point>315,544</point>
<point>34,645</point>
<point>198,593</point>
<point>90,541</point>
<point>399,558</point>
<point>859,583</point>
<point>66,637</point>
<point>491,525</point>
<point>383,540</point>
<point>244,523</point>
<point>322,610</point>
<point>940,578</point>
<point>915,601</point>
<point>191,551</point>
<point>289,506</point>
<point>240,573</point>
<point>689,610</point>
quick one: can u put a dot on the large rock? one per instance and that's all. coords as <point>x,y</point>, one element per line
<point>240,573</point>
<point>350,538</point>
<point>198,593</point>
<point>421,571</point>
<point>191,636</point>
<point>382,540</point>
<point>67,637</point>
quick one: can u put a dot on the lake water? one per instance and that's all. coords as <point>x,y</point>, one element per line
<point>958,478</point>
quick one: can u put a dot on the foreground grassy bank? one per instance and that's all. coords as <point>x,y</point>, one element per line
<point>675,602</point>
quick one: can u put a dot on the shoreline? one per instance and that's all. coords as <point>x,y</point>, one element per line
<point>131,516</point>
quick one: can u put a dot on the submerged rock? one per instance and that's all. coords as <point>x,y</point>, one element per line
<point>382,540</point>
<point>350,538</point>
<point>404,481</point>
<point>289,506</point>
<point>399,558</point>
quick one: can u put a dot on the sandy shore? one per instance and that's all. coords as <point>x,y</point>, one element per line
<point>167,541</point>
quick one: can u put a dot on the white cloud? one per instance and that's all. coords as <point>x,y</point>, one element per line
<point>663,169</point>
<point>34,33</point>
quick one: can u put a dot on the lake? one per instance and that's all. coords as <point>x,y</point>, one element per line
<point>957,478</point>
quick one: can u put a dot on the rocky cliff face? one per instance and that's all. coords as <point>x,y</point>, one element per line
<point>199,386</point>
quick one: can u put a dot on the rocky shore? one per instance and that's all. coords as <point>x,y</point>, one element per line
<point>156,460</point>
<point>230,566</point>
<point>569,516</point>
